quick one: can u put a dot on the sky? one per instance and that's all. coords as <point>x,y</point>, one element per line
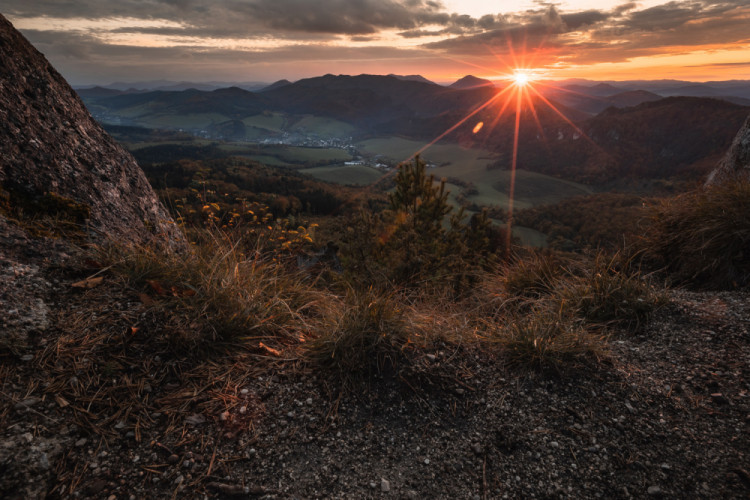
<point>103,41</point>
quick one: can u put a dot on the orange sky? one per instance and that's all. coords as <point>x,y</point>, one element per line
<point>91,41</point>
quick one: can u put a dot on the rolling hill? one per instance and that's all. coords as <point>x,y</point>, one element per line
<point>635,133</point>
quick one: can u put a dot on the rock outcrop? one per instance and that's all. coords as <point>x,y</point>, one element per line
<point>50,146</point>
<point>736,163</point>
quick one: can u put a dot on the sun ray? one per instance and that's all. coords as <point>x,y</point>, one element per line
<point>461,122</point>
<point>514,163</point>
<point>562,115</point>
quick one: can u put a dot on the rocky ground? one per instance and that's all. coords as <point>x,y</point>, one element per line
<point>95,402</point>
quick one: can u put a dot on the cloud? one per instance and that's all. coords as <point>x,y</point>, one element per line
<point>622,33</point>
<point>296,32</point>
<point>243,17</point>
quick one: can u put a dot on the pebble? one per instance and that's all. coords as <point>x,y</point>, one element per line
<point>654,490</point>
<point>27,357</point>
<point>427,461</point>
<point>385,486</point>
<point>81,442</point>
<point>554,444</point>
<point>411,495</point>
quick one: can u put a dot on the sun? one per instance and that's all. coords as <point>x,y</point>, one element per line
<point>521,78</point>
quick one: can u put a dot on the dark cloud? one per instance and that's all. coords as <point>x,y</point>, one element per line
<point>616,35</point>
<point>620,33</point>
<point>241,17</point>
<point>582,19</point>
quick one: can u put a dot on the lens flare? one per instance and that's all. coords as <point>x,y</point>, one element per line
<point>521,78</point>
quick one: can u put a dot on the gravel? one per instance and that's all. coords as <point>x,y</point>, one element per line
<point>666,415</point>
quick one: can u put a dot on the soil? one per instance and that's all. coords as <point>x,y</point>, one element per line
<point>97,402</point>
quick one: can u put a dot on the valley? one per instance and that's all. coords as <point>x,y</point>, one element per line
<point>574,140</point>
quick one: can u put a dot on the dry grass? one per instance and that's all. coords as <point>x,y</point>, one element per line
<point>220,290</point>
<point>703,237</point>
<point>367,331</point>
<point>548,339</point>
<point>610,291</point>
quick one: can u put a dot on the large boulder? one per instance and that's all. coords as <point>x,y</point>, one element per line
<point>736,163</point>
<point>52,149</point>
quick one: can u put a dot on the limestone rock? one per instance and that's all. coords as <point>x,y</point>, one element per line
<point>736,163</point>
<point>51,146</point>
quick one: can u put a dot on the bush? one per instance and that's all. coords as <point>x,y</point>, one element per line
<point>703,237</point>
<point>417,241</point>
<point>533,275</point>
<point>548,339</point>
<point>368,333</point>
<point>610,291</point>
<point>607,289</point>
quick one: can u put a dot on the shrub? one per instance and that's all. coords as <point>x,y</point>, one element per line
<point>533,275</point>
<point>548,339</point>
<point>703,237</point>
<point>368,333</point>
<point>610,291</point>
<point>417,241</point>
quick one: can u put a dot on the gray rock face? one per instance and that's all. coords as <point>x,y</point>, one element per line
<point>736,163</point>
<point>49,143</point>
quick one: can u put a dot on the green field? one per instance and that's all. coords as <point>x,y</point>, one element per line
<point>266,121</point>
<point>345,174</point>
<point>470,165</point>
<point>323,127</point>
<point>268,160</point>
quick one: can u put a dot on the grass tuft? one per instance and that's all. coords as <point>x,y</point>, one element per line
<point>548,339</point>
<point>610,291</point>
<point>703,237</point>
<point>369,333</point>
<point>219,290</point>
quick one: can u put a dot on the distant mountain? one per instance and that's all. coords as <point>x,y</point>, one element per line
<point>368,101</point>
<point>593,104</point>
<point>635,133</point>
<point>470,82</point>
<point>412,78</point>
<point>171,85</point>
<point>276,85</point>
<point>632,98</point>
<point>676,136</point>
<point>98,92</point>
<point>231,102</point>
<point>598,90</point>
